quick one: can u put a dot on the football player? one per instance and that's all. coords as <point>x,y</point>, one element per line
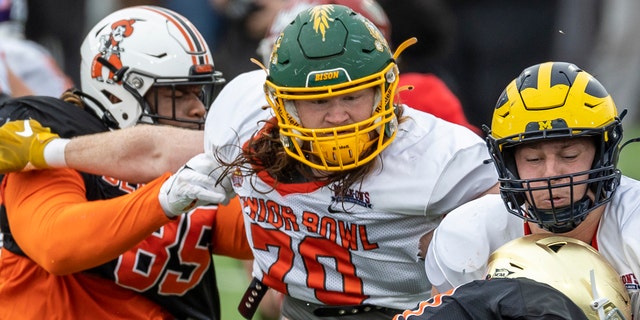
<point>79,245</point>
<point>316,180</point>
<point>539,276</point>
<point>330,207</point>
<point>554,139</point>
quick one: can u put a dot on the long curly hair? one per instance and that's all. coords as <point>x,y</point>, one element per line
<point>264,152</point>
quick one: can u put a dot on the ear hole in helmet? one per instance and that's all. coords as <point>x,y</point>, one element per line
<point>112,98</point>
<point>556,247</point>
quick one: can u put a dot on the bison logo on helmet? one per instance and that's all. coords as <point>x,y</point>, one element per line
<point>109,55</point>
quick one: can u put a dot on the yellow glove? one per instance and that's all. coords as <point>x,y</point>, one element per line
<point>22,142</point>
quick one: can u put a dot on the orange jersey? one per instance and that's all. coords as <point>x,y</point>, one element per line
<point>30,292</point>
<point>111,258</point>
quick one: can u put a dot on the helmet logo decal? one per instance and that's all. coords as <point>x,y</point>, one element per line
<point>502,273</point>
<point>110,50</point>
<point>273,57</point>
<point>545,125</point>
<point>380,41</point>
<point>237,178</point>
<point>630,281</point>
<point>320,18</point>
<point>319,78</point>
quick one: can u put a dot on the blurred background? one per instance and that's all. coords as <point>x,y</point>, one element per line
<point>475,47</point>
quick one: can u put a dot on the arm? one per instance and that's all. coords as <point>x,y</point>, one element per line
<point>229,238</point>
<point>16,87</point>
<point>137,154</point>
<point>59,229</point>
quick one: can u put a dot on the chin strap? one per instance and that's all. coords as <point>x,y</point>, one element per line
<point>597,303</point>
<point>404,45</point>
<point>107,117</point>
<point>566,214</point>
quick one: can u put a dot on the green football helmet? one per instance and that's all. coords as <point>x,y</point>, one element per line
<point>327,51</point>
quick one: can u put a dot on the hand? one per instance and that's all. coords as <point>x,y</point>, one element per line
<point>192,186</point>
<point>22,142</point>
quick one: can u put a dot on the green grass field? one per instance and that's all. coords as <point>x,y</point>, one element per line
<point>232,281</point>
<point>630,156</point>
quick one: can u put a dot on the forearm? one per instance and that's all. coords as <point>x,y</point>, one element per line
<point>137,154</point>
<point>59,229</point>
<point>229,237</point>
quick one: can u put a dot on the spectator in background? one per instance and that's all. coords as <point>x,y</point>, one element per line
<point>28,61</point>
<point>491,41</point>
<point>247,21</point>
<point>421,64</point>
<point>428,92</point>
<point>5,93</point>
<point>203,14</point>
<point>432,22</point>
<point>616,53</point>
<point>60,27</point>
<point>10,84</point>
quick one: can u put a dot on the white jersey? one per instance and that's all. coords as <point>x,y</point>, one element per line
<point>4,78</point>
<point>363,247</point>
<point>461,245</point>
<point>34,66</point>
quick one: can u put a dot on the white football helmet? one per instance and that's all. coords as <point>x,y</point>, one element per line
<point>134,49</point>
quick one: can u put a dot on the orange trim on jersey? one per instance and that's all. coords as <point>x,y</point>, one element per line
<point>283,188</point>
<point>55,225</point>
<point>288,188</point>
<point>433,302</point>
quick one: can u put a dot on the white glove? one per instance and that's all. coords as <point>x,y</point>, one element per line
<point>192,186</point>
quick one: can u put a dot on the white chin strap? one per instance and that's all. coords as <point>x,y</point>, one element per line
<point>597,303</point>
<point>290,106</point>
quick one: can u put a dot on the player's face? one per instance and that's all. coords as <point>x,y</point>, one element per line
<point>553,158</point>
<point>336,111</point>
<point>188,105</point>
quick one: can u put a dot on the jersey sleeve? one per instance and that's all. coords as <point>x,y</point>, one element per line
<point>63,118</point>
<point>465,177</point>
<point>229,237</point>
<point>55,225</point>
<point>462,243</point>
<point>236,112</point>
<point>4,78</point>
<point>617,238</point>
